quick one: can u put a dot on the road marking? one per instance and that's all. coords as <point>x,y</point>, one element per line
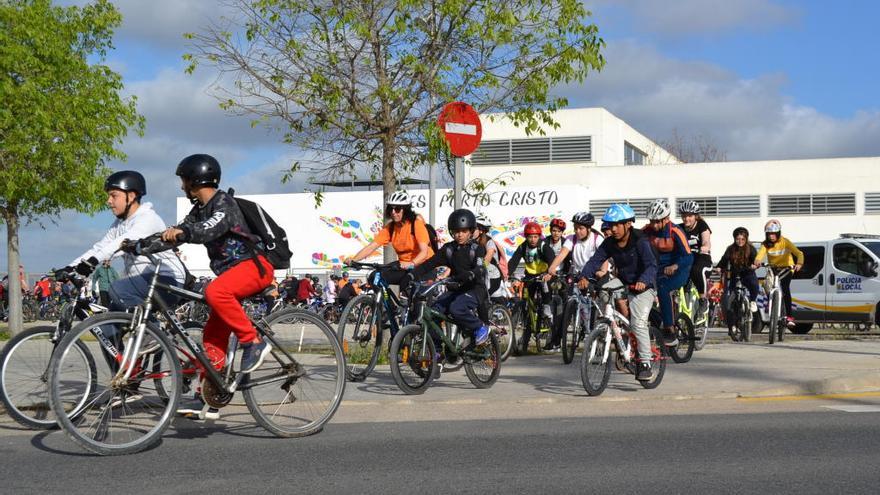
<point>808,397</point>
<point>855,409</point>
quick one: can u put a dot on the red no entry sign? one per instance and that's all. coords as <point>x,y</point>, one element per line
<point>461,127</point>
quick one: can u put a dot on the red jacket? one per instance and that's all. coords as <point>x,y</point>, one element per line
<point>305,290</point>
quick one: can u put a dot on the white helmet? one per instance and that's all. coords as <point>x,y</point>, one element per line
<point>658,210</point>
<point>484,221</point>
<point>689,206</point>
<point>399,198</point>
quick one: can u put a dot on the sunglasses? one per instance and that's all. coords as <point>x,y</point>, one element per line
<point>397,209</point>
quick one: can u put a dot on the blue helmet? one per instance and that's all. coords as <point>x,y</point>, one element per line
<point>619,212</point>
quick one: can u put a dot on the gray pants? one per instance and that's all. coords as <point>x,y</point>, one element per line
<point>639,308</point>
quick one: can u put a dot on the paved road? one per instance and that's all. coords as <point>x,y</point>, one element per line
<point>824,451</point>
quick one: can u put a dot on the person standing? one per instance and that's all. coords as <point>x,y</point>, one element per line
<point>103,278</point>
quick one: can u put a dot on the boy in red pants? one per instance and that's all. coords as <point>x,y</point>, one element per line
<point>236,257</point>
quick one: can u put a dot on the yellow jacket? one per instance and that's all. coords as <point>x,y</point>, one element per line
<point>780,254</point>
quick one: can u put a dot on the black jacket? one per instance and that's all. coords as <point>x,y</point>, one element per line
<point>466,264</point>
<point>221,227</point>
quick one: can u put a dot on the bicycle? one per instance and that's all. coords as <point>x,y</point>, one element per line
<point>691,307</point>
<point>364,320</point>
<point>777,314</point>
<point>534,322</point>
<point>294,393</point>
<point>612,330</point>
<point>682,325</point>
<point>740,312</point>
<point>414,353</point>
<point>24,362</point>
<point>577,320</point>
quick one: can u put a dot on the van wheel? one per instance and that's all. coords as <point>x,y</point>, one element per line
<point>802,328</point>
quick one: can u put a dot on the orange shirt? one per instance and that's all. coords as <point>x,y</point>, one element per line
<point>402,240</point>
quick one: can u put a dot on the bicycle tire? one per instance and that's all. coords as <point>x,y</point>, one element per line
<point>297,401</point>
<point>143,413</point>
<point>774,317</point>
<point>595,367</point>
<point>25,391</point>
<point>745,319</point>
<point>501,322</point>
<point>783,320</point>
<point>412,375</point>
<point>570,332</point>
<point>658,359</point>
<point>360,335</point>
<point>702,335</point>
<point>684,329</point>
<point>492,364</point>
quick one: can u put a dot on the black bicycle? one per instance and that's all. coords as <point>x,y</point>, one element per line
<point>124,404</point>
<point>24,362</point>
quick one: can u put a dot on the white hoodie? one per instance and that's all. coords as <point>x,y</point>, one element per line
<point>144,222</point>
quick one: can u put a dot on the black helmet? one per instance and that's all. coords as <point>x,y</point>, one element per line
<point>200,169</point>
<point>127,180</point>
<point>461,219</point>
<point>740,231</point>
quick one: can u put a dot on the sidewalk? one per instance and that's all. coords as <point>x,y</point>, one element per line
<point>538,385</point>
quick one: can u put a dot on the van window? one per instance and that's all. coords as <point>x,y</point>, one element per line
<point>852,259</point>
<point>814,261</point>
<point>874,247</point>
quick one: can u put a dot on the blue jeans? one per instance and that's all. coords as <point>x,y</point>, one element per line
<point>128,292</point>
<point>667,284</point>
<point>461,306</point>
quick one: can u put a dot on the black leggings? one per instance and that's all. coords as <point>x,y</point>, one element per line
<point>395,275</point>
<point>785,285</point>
<point>701,261</point>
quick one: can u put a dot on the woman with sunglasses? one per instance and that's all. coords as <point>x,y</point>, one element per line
<point>408,235</point>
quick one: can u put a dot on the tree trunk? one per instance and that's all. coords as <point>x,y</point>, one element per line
<point>389,185</point>
<point>12,260</point>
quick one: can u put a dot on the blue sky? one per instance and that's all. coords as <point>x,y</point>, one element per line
<point>764,79</point>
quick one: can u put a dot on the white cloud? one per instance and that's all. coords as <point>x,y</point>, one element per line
<point>749,118</point>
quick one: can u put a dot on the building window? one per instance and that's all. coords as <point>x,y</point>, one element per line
<point>726,206</point>
<point>534,150</point>
<point>640,206</point>
<point>812,204</point>
<point>872,203</point>
<point>633,155</point>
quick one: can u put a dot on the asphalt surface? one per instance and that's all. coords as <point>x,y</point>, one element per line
<point>825,451</point>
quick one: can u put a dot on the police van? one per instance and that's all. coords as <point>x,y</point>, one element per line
<point>839,282</point>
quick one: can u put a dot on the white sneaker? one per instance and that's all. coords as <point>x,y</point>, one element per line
<point>753,307</point>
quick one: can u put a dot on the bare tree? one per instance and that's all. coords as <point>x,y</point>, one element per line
<point>697,148</point>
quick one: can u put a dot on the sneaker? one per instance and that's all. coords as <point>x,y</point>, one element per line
<point>209,414</point>
<point>481,335</point>
<point>253,354</point>
<point>789,322</point>
<point>191,408</point>
<point>547,347</point>
<point>124,398</point>
<point>556,349</point>
<point>644,373</point>
<point>670,339</point>
<point>753,307</point>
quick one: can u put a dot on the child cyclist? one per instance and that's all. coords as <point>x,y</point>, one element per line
<point>780,253</point>
<point>537,256</point>
<point>464,256</point>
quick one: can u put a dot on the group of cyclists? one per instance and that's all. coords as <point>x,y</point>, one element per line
<point>648,262</point>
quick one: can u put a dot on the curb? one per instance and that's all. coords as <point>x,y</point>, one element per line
<point>865,382</point>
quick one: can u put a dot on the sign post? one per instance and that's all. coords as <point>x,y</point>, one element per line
<point>461,127</point>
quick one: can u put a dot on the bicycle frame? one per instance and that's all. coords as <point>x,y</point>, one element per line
<point>430,320</point>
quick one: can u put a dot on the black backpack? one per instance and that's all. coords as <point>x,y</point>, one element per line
<point>274,239</point>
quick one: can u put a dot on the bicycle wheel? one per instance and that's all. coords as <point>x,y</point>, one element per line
<point>119,416</point>
<point>658,359</point>
<point>684,330</point>
<point>745,319</point>
<point>596,360</point>
<point>413,359</point>
<point>501,323</point>
<point>299,386</point>
<point>783,321</point>
<point>360,335</point>
<point>701,334</point>
<point>484,373</point>
<point>570,331</point>
<point>774,315</point>
<point>24,376</point>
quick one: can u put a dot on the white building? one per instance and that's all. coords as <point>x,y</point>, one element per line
<point>591,148</point>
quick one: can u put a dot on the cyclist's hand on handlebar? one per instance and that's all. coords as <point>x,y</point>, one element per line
<point>171,234</point>
<point>797,268</point>
<point>639,287</point>
<point>583,283</point>
<point>86,267</point>
<point>547,277</point>
<point>670,270</point>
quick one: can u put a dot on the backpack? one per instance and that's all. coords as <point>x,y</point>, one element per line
<point>274,239</point>
<point>433,240</point>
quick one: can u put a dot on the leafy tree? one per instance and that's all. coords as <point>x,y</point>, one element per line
<point>359,83</point>
<point>61,115</point>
